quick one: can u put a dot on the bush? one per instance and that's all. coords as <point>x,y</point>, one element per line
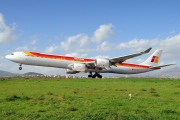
<point>72,109</point>
<point>143,90</point>
<point>168,112</point>
<point>41,97</point>
<point>13,98</point>
<point>152,90</point>
<point>26,98</point>
<point>7,113</point>
<point>155,95</point>
<point>49,93</point>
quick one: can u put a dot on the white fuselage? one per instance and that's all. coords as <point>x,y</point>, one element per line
<point>124,68</point>
<point>22,58</point>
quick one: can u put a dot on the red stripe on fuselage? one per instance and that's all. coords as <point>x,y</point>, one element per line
<point>132,65</point>
<point>50,56</point>
<point>35,54</point>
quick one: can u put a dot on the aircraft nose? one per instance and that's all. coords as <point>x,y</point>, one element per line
<point>8,57</point>
<point>12,57</point>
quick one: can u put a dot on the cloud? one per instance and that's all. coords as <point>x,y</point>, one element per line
<point>1,57</point>
<point>74,42</point>
<point>103,32</point>
<point>3,65</point>
<point>105,46</point>
<point>51,49</point>
<point>38,69</point>
<point>33,40</point>
<point>86,50</point>
<point>138,44</point>
<point>6,32</point>
<point>172,32</point>
<point>23,48</point>
<point>140,60</point>
<point>79,42</point>
<point>77,55</point>
<point>170,46</point>
<point>101,56</point>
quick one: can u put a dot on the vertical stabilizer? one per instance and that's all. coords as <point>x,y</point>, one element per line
<point>153,59</point>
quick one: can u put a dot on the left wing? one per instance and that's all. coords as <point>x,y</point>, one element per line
<point>124,58</point>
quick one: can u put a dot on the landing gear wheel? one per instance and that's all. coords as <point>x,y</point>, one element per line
<point>99,76</point>
<point>94,76</point>
<point>89,76</point>
<point>20,68</point>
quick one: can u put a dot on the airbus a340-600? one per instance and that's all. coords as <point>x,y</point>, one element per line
<point>94,67</point>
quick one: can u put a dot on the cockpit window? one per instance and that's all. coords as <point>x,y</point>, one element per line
<point>12,53</point>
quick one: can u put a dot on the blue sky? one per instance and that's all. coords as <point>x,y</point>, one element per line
<point>89,29</point>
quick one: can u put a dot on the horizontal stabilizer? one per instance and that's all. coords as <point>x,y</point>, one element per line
<point>159,67</point>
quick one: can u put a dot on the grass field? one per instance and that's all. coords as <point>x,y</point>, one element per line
<point>89,99</point>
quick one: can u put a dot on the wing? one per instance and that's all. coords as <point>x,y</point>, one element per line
<point>123,58</point>
<point>119,59</point>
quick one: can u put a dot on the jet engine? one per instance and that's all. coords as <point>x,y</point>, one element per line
<point>68,71</point>
<point>103,63</point>
<point>79,67</point>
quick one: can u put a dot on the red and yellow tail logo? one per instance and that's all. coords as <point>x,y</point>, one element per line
<point>155,59</point>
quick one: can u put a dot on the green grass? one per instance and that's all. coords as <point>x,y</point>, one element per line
<point>89,99</point>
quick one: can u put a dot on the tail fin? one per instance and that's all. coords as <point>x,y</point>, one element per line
<point>153,59</point>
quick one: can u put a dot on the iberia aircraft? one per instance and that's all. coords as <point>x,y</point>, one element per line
<point>75,65</point>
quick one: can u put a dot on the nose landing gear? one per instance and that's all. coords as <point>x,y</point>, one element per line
<point>20,67</point>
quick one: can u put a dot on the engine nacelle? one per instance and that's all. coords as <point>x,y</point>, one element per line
<point>68,71</point>
<point>79,67</point>
<point>103,63</point>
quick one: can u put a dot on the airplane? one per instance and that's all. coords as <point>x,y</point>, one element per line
<point>75,65</point>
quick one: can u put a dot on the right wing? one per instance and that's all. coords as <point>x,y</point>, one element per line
<point>124,58</point>
<point>119,59</point>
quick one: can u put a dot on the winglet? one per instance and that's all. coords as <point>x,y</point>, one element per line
<point>149,49</point>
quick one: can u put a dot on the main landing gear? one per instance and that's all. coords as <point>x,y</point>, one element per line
<point>20,67</point>
<point>95,75</point>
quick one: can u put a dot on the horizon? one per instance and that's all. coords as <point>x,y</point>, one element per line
<point>169,73</point>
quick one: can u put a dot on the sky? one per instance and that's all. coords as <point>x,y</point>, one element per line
<point>90,29</point>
